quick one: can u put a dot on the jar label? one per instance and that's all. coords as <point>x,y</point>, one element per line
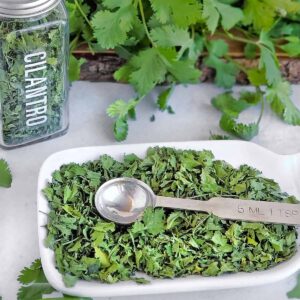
<point>36,88</point>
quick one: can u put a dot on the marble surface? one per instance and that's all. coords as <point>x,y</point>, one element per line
<point>194,119</point>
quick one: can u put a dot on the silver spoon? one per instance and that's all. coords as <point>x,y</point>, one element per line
<point>123,201</point>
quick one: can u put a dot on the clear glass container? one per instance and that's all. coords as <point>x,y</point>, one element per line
<point>34,44</point>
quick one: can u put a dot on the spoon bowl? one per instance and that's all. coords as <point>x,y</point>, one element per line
<point>123,200</point>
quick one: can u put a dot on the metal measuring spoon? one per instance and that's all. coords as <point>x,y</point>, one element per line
<point>123,201</point>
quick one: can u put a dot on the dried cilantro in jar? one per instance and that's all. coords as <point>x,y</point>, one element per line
<point>33,71</point>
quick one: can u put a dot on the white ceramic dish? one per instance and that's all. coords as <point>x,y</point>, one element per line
<point>284,169</point>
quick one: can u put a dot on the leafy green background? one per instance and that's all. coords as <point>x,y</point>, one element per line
<point>161,42</point>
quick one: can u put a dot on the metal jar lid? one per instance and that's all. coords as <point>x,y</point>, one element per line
<point>25,8</point>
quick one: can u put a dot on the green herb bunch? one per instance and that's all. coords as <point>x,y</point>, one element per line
<point>161,42</point>
<point>165,243</point>
<point>18,38</point>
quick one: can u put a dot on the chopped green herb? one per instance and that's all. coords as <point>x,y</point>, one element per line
<point>164,243</point>
<point>33,85</point>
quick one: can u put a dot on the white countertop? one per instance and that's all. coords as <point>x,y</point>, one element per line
<point>89,126</point>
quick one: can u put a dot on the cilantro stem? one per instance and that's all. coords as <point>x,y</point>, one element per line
<point>145,23</point>
<point>240,39</point>
<point>262,107</point>
<point>83,14</point>
<point>74,42</point>
<point>69,242</point>
<point>132,239</point>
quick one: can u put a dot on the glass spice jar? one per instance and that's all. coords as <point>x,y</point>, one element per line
<point>34,43</point>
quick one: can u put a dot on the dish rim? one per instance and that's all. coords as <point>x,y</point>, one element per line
<point>157,286</point>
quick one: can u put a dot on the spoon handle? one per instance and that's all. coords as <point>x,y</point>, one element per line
<point>237,209</point>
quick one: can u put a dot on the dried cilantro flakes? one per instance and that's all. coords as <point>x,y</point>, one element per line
<point>165,243</point>
<point>33,93</point>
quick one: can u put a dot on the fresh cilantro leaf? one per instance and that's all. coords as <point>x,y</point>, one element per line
<point>243,131</point>
<point>121,129</point>
<point>111,28</point>
<point>182,13</point>
<point>268,60</point>
<point>5,174</point>
<point>269,63</point>
<point>279,97</point>
<point>231,109</point>
<point>183,70</point>
<point>35,291</point>
<point>218,48</point>
<point>259,13</point>
<point>150,67</point>
<point>34,282</point>
<point>120,108</point>
<point>214,9</point>
<point>292,47</point>
<point>257,77</point>
<point>230,15</point>
<point>262,13</point>
<point>225,71</point>
<point>252,98</point>
<point>35,285</point>
<point>123,73</point>
<point>171,36</point>
<point>285,28</point>
<point>121,111</point>
<point>74,67</point>
<point>250,51</point>
<point>149,70</point>
<point>295,292</point>
<point>196,47</point>
<point>31,274</point>
<point>211,15</point>
<point>163,98</point>
<point>112,4</point>
<point>227,104</point>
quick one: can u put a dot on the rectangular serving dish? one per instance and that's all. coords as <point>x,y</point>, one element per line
<point>284,169</point>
